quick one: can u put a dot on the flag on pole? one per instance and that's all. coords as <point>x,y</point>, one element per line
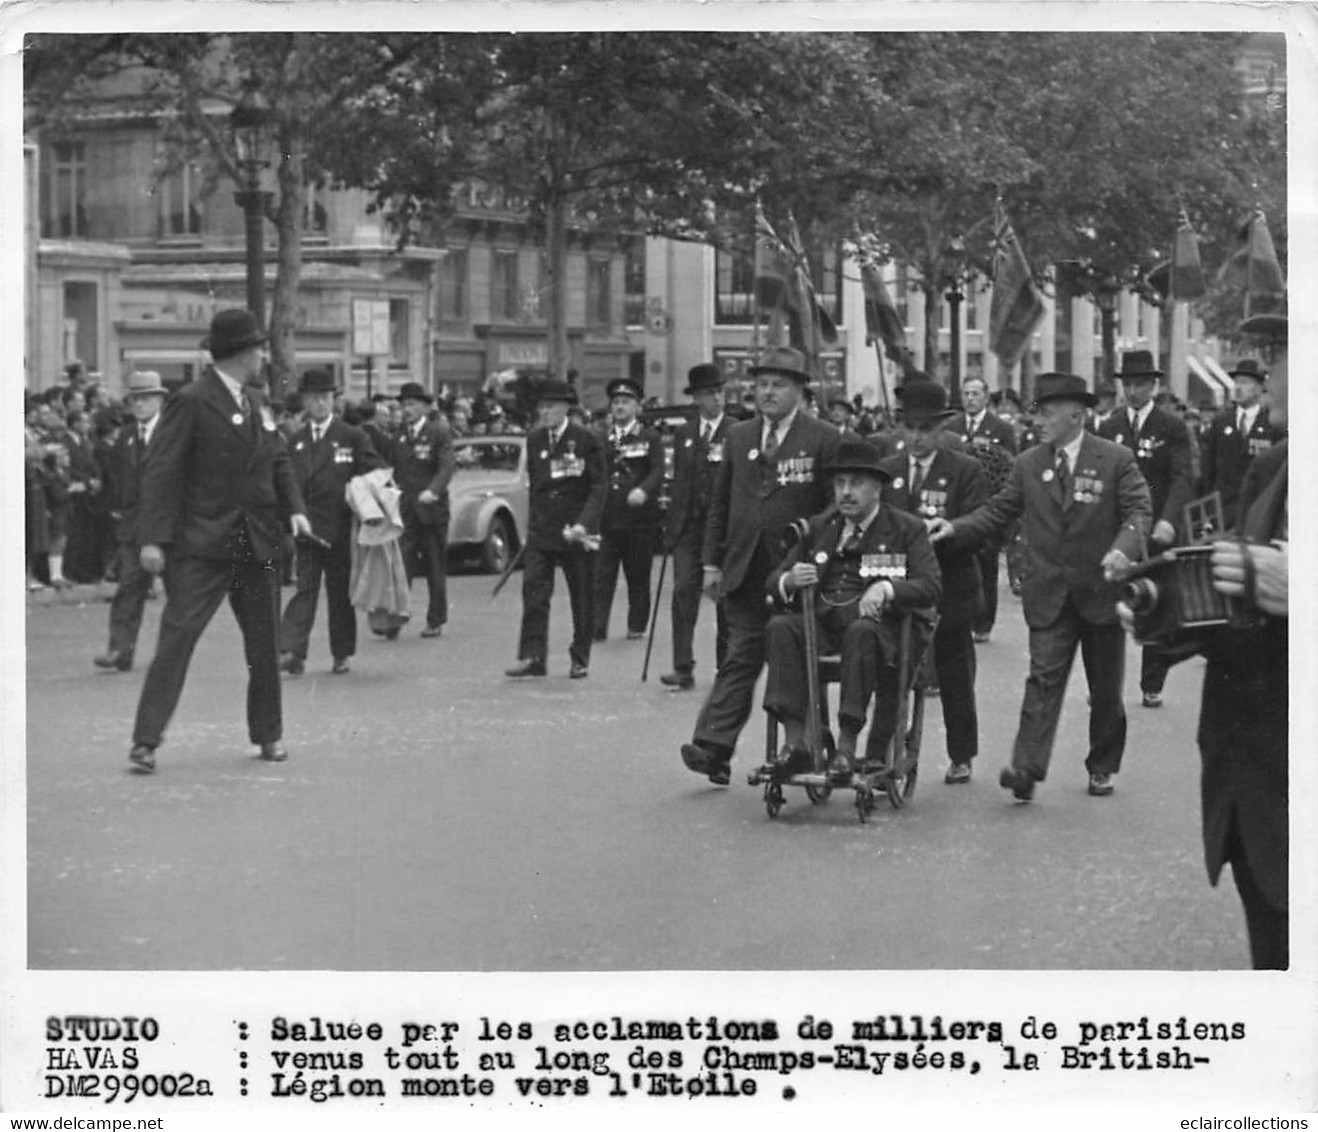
<point>1254,264</point>
<point>1016,307</point>
<point>1185,281</point>
<point>813,327</point>
<point>882,322</point>
<point>773,267</point>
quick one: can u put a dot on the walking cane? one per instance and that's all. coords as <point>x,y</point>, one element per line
<point>813,737</point>
<point>654,617</point>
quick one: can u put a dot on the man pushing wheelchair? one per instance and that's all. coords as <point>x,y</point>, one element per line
<point>865,564</point>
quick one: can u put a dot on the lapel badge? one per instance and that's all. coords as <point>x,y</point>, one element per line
<point>544,453</point>
<point>753,454</point>
<point>942,481</point>
<point>1048,475</point>
<point>898,483</point>
<point>821,557</point>
<point>237,419</point>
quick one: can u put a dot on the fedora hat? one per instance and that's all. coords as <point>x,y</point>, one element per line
<point>625,387</point>
<point>552,389</point>
<point>924,401</point>
<point>857,456</point>
<point>784,360</point>
<point>1063,387</point>
<point>232,332</point>
<point>1249,367</point>
<point>1138,364</point>
<point>704,376</point>
<point>317,381</point>
<point>145,383</point>
<point>414,391</point>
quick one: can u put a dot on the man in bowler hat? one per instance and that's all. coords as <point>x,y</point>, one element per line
<point>216,490</point>
<point>697,457</point>
<point>772,474</point>
<point>326,454</point>
<point>565,463</point>
<point>423,462</point>
<point>1085,510</point>
<point>1161,444</point>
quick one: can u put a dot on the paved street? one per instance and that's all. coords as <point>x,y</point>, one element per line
<point>437,816</point>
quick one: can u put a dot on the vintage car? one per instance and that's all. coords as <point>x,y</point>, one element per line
<point>488,499</point>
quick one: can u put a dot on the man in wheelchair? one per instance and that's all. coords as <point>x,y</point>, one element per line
<point>870,564</point>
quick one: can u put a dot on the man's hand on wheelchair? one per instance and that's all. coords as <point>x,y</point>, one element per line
<point>875,599</point>
<point>938,529</point>
<point>801,574</point>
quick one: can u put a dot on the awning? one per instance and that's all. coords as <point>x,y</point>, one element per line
<point>1212,378</point>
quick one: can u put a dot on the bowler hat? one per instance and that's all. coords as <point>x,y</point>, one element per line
<point>552,389</point>
<point>1063,387</point>
<point>704,376</point>
<point>317,381</point>
<point>784,360</point>
<point>625,387</point>
<point>1138,364</point>
<point>1249,367</point>
<point>414,391</point>
<point>1272,327</point>
<point>145,383</point>
<point>842,403</point>
<point>857,456</point>
<point>232,332</point>
<point>924,401</point>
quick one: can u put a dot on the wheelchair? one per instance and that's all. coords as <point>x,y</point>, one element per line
<point>895,775</point>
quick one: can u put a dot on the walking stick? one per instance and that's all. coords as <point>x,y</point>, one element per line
<point>508,571</point>
<point>654,616</point>
<point>812,732</point>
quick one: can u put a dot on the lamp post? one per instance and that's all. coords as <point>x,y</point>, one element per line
<point>956,276</point>
<point>249,121</point>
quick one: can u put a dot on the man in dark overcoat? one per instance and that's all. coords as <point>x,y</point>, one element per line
<point>697,457</point>
<point>422,458</point>
<point>1085,511</point>
<point>933,482</point>
<point>772,474</point>
<point>1238,434</point>
<point>1160,441</point>
<point>217,488</point>
<point>565,462</point>
<point>326,454</point>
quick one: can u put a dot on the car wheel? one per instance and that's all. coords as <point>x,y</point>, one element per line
<point>497,549</point>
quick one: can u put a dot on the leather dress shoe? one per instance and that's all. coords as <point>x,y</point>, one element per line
<point>1152,699</point>
<point>711,764</point>
<point>957,773</point>
<point>142,759</point>
<point>390,634</point>
<point>119,661</point>
<point>526,668</point>
<point>432,631</point>
<point>1019,782</point>
<point>1100,785</point>
<point>273,752</point>
<point>682,681</point>
<point>578,671</point>
<point>636,635</point>
<point>340,665</point>
<point>840,768</point>
<point>292,665</point>
<point>980,638</point>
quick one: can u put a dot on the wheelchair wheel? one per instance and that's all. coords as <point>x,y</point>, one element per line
<point>906,751</point>
<point>773,799</point>
<point>864,802</point>
<point>818,795</point>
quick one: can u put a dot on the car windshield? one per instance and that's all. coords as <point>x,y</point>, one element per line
<point>487,457</point>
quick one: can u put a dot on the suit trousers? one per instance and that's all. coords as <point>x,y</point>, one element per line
<point>194,588</point>
<point>633,549</point>
<point>867,671</point>
<point>129,599</point>
<point>1154,667</point>
<point>987,558</point>
<point>1052,652</point>
<point>1268,925</point>
<point>732,696</point>
<point>334,564</point>
<point>538,588</point>
<point>954,662</point>
<point>424,548</point>
<point>688,582</point>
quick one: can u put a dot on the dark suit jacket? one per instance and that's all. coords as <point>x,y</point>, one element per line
<point>694,474</point>
<point>205,476</point>
<point>1162,448</point>
<point>755,500</point>
<point>421,461</point>
<point>992,430</point>
<point>323,470</point>
<point>567,484</point>
<point>1227,455</point>
<point>1243,720</point>
<point>124,480</point>
<point>638,461</point>
<point>1065,544</point>
<point>955,486</point>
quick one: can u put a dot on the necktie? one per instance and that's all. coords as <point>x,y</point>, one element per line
<point>1243,424</point>
<point>771,441</point>
<point>917,479</point>
<point>705,433</point>
<point>851,543</point>
<point>1063,476</point>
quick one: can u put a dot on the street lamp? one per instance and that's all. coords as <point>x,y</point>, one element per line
<point>957,274</point>
<point>249,121</point>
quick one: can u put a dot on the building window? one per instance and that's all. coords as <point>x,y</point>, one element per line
<point>633,282</point>
<point>81,324</point>
<point>399,339</point>
<point>65,214</point>
<point>453,286</point>
<point>826,276</point>
<point>504,294</point>
<point>734,294</point>
<point>179,197</point>
<point>971,305</point>
<point>599,293</point>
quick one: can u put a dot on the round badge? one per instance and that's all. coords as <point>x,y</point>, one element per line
<point>942,481</point>
<point>1047,475</point>
<point>237,418</point>
<point>1227,431</point>
<point>821,558</point>
<point>899,483</point>
<point>753,454</point>
<point>544,453</point>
